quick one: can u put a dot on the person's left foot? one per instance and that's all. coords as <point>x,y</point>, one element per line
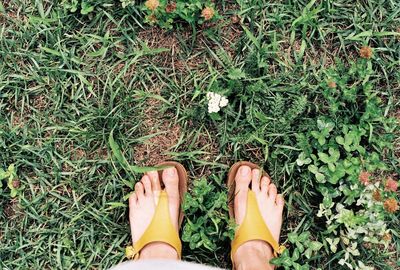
<point>142,206</point>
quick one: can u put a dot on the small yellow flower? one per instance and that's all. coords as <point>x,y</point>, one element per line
<point>130,252</point>
<point>208,13</point>
<point>152,4</point>
<point>366,52</point>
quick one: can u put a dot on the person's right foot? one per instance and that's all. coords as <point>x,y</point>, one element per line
<point>252,253</point>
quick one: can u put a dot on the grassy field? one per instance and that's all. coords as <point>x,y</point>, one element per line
<point>295,79</point>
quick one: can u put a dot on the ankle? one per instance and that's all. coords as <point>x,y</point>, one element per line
<point>158,250</point>
<point>253,255</point>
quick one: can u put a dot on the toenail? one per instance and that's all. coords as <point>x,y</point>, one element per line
<point>170,171</point>
<point>244,171</point>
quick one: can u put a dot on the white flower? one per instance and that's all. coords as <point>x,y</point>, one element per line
<point>216,102</point>
<point>223,102</point>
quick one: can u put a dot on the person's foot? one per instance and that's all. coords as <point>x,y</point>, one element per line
<point>256,254</point>
<point>142,206</point>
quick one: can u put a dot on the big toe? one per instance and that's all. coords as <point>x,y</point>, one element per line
<point>243,176</point>
<point>242,180</point>
<point>170,178</point>
<point>272,192</point>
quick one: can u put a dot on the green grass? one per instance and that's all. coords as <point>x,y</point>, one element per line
<point>67,81</point>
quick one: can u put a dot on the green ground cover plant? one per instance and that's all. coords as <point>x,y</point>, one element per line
<point>92,93</point>
<point>163,13</point>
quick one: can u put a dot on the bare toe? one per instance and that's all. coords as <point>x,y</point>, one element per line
<point>255,180</point>
<point>242,181</point>
<point>170,177</point>
<point>155,181</point>
<point>272,192</point>
<point>264,184</point>
<point>147,186</point>
<point>243,176</point>
<point>139,190</point>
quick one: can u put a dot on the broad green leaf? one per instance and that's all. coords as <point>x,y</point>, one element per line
<point>315,134</point>
<point>340,140</point>
<point>292,237</point>
<point>304,236</point>
<point>3,174</point>
<point>333,244</point>
<point>321,140</point>
<point>86,8</point>
<point>320,177</point>
<point>300,247</point>
<point>13,193</point>
<point>302,160</point>
<point>308,253</point>
<point>335,154</point>
<point>313,169</point>
<point>327,202</point>
<point>296,266</point>
<point>2,10</point>
<point>331,167</point>
<point>349,138</point>
<point>296,255</point>
<point>315,245</point>
<point>330,126</point>
<point>324,157</point>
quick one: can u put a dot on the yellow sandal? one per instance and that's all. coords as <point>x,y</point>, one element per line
<point>161,228</point>
<point>253,226</point>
